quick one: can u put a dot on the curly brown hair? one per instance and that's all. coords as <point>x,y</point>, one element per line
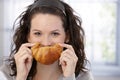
<point>72,27</point>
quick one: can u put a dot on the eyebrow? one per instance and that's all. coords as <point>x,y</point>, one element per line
<point>35,30</point>
<point>40,30</point>
<point>56,30</point>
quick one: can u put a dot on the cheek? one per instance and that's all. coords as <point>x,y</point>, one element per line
<point>60,39</point>
<point>32,39</point>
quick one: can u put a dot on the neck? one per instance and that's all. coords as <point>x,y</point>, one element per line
<point>44,72</point>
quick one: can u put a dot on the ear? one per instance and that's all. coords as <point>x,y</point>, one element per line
<point>67,38</point>
<point>28,38</point>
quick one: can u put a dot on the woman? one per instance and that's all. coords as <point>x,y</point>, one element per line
<point>48,22</point>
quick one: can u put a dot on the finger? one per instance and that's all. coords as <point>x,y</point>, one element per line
<point>26,58</point>
<point>63,55</point>
<point>24,51</point>
<point>71,58</point>
<point>67,46</point>
<point>64,61</point>
<point>68,51</point>
<point>27,45</point>
<point>70,54</point>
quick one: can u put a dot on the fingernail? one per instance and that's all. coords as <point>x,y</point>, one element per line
<point>60,44</point>
<point>32,44</point>
<point>59,63</point>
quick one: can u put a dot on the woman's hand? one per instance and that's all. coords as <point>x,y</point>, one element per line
<point>68,60</point>
<point>23,59</point>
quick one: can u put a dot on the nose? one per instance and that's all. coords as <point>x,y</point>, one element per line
<point>46,41</point>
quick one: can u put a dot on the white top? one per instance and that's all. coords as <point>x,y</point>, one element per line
<point>2,76</point>
<point>5,75</point>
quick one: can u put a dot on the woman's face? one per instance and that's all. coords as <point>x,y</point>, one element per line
<point>46,29</point>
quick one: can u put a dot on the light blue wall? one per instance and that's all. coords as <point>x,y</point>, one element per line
<point>118,33</point>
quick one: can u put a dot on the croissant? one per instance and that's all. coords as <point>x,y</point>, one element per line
<point>46,55</point>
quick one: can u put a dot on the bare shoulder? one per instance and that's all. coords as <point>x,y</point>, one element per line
<point>85,76</point>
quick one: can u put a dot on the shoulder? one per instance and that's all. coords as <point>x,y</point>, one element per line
<point>87,75</point>
<point>5,71</point>
<point>5,68</point>
<point>2,76</point>
<point>82,76</point>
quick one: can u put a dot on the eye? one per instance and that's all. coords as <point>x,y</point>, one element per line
<point>55,34</point>
<point>37,33</point>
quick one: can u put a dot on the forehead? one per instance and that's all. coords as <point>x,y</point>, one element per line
<point>46,20</point>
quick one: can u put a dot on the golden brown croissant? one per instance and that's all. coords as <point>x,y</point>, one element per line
<point>46,55</point>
